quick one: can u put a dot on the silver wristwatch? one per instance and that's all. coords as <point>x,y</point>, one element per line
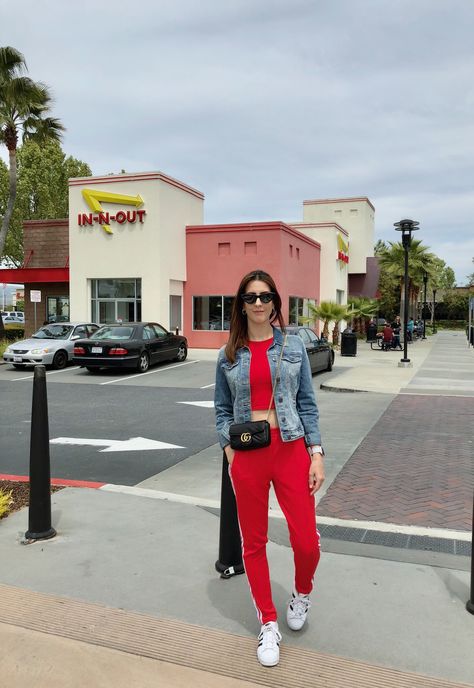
<point>316,449</point>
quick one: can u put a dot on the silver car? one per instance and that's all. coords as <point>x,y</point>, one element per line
<point>52,345</point>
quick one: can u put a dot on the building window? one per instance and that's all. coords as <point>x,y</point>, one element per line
<point>212,312</point>
<point>297,253</point>
<point>57,309</point>
<point>223,249</point>
<point>250,247</point>
<point>291,250</point>
<point>339,296</point>
<point>299,308</point>
<point>338,212</point>
<point>116,300</point>
<point>354,211</point>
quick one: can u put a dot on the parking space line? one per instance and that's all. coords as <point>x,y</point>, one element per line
<point>150,372</point>
<point>207,386</point>
<point>52,372</point>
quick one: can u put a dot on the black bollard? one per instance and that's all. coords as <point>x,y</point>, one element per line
<point>470,602</point>
<point>230,551</point>
<point>39,514</point>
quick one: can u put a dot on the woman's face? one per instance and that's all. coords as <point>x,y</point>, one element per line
<point>258,312</point>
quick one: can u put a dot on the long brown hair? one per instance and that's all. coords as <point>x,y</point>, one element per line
<point>238,321</point>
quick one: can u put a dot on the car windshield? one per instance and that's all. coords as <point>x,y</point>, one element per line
<point>53,332</point>
<point>114,332</point>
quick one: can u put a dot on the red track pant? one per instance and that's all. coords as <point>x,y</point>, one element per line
<point>286,465</point>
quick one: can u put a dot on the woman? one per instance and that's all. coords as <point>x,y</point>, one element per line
<point>293,463</point>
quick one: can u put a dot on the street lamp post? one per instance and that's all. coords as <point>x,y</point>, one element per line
<point>425,280</point>
<point>434,312</point>
<point>406,227</point>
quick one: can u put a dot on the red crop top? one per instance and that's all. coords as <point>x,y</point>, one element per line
<point>260,376</point>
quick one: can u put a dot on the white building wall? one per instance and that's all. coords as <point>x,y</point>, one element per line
<point>334,273</point>
<point>153,251</point>
<point>356,216</point>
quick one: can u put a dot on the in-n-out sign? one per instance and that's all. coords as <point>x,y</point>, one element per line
<point>342,250</point>
<point>94,199</point>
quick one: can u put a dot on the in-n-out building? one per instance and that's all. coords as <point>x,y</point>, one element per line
<point>135,248</point>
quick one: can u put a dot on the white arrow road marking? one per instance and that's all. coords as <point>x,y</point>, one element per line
<point>203,404</point>
<point>133,444</point>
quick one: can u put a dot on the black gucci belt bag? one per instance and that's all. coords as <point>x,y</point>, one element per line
<point>254,434</point>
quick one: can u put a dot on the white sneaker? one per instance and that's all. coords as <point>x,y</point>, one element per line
<point>268,651</point>
<point>297,611</point>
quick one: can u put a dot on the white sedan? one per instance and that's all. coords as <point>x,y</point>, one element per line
<point>52,345</point>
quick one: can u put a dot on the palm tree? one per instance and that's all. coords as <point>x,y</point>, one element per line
<point>392,262</point>
<point>24,104</point>
<point>327,311</point>
<point>339,312</point>
<point>362,308</point>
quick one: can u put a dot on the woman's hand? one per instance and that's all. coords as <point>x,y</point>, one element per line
<point>229,452</point>
<point>316,473</point>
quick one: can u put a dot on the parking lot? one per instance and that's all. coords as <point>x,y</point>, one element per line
<point>94,419</point>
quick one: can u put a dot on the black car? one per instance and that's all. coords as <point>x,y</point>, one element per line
<point>130,345</point>
<point>320,352</point>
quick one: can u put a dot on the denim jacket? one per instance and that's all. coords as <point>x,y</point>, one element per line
<point>295,402</point>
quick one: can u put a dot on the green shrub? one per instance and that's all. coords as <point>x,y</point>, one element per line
<point>14,334</point>
<point>5,502</point>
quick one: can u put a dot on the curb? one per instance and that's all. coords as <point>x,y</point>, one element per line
<point>331,388</point>
<point>62,482</point>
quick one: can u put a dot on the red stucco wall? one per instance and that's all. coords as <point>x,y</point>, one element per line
<point>209,272</point>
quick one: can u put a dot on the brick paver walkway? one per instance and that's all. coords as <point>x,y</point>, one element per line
<point>415,467</point>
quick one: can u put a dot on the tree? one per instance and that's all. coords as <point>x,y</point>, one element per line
<point>42,190</point>
<point>392,262</point>
<point>361,309</point>
<point>24,106</point>
<point>470,278</point>
<point>327,311</point>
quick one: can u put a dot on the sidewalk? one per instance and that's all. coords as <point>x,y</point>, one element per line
<point>127,594</point>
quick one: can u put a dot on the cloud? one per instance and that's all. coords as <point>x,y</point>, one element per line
<point>263,104</point>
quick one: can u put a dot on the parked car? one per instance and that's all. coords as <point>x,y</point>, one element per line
<point>13,324</point>
<point>51,345</point>
<point>130,345</point>
<point>320,352</point>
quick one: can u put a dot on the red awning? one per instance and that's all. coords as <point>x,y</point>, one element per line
<point>32,275</point>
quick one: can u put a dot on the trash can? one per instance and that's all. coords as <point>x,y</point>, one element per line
<point>372,333</point>
<point>348,344</point>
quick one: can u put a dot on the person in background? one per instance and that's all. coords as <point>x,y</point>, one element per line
<point>246,374</point>
<point>387,337</point>
<point>410,329</point>
<point>396,327</point>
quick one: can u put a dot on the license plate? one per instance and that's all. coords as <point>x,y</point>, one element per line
<point>17,359</point>
<point>96,350</point>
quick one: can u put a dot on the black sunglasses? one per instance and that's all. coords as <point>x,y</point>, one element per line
<point>265,297</point>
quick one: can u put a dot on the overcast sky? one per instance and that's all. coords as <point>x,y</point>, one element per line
<point>261,104</point>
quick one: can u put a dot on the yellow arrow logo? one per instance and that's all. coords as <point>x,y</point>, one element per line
<point>94,198</point>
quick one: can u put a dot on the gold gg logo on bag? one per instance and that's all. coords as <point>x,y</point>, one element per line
<point>245,437</point>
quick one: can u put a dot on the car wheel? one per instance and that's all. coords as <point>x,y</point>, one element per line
<point>60,360</point>
<point>330,361</point>
<point>182,353</point>
<point>92,370</point>
<point>143,362</point>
